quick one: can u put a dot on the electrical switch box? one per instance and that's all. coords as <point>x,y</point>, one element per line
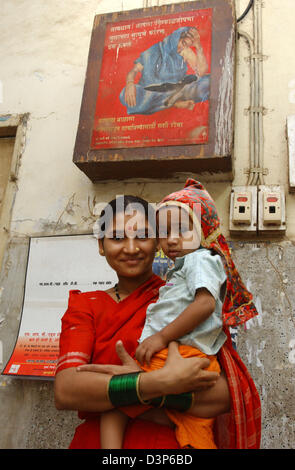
<point>243,209</point>
<point>271,210</point>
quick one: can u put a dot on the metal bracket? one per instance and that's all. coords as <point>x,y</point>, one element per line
<point>256,109</point>
<point>263,171</point>
<point>257,56</point>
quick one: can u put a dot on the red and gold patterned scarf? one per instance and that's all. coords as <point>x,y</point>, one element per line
<point>238,306</point>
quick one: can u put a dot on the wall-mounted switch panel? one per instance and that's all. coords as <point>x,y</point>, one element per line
<point>271,210</point>
<point>243,209</point>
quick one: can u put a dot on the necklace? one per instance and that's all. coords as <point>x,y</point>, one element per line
<point>117,292</point>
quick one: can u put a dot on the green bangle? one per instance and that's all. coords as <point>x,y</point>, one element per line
<point>182,402</point>
<point>122,389</point>
<point>158,401</point>
<point>142,401</point>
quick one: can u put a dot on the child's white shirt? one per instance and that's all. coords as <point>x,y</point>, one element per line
<point>199,269</point>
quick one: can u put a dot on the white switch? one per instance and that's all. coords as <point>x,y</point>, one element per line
<point>243,210</point>
<point>272,208</point>
<point>242,205</point>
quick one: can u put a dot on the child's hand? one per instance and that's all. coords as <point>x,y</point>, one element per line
<point>150,346</point>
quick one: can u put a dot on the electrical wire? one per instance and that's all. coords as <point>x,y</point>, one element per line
<point>246,11</point>
<point>252,131</point>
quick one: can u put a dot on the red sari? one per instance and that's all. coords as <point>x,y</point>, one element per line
<point>92,325</point>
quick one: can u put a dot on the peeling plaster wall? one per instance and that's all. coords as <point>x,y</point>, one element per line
<point>45,61</point>
<point>268,271</point>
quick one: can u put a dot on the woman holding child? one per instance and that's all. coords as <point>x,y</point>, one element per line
<point>102,329</point>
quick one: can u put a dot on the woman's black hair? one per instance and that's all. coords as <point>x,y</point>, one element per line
<point>120,204</point>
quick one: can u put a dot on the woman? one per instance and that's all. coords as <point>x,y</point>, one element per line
<point>96,321</point>
<point>164,80</point>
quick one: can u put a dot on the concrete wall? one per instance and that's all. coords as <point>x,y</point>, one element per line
<point>44,46</point>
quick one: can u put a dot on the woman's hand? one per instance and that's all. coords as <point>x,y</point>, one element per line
<point>186,374</point>
<point>130,94</point>
<point>194,36</point>
<point>130,88</point>
<point>128,364</point>
<point>178,375</point>
<point>197,62</point>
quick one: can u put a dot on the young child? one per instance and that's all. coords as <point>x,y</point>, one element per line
<point>203,291</point>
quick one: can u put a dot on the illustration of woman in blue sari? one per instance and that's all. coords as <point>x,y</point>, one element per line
<point>164,82</point>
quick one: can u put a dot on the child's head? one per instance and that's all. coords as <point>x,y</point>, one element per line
<point>187,219</point>
<point>178,229</point>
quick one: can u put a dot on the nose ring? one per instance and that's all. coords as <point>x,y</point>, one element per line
<point>137,249</point>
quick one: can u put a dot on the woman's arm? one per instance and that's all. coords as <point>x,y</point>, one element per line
<point>209,403</point>
<point>87,391</point>
<point>130,90</point>
<point>84,392</point>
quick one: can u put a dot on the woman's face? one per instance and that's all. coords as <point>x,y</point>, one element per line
<point>127,247</point>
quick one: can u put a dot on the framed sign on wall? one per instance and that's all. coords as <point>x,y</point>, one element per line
<point>159,92</point>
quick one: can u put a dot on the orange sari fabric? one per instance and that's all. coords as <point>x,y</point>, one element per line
<point>92,325</point>
<point>190,431</point>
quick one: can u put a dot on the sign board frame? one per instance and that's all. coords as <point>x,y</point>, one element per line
<point>150,159</point>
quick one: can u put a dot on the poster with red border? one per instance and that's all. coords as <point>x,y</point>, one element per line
<point>56,265</point>
<point>154,82</point>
